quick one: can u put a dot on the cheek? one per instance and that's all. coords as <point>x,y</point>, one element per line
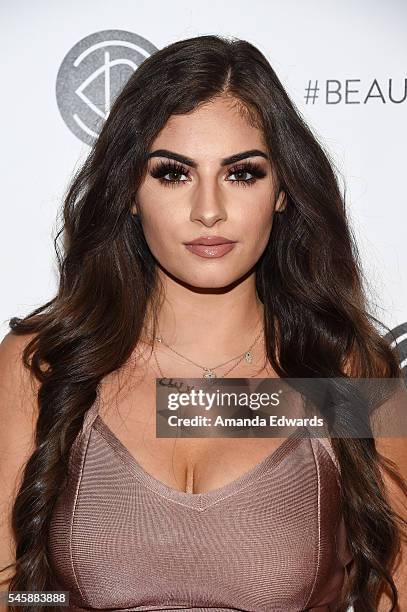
<point>156,229</point>
<point>161,228</point>
<point>155,215</point>
<point>257,225</point>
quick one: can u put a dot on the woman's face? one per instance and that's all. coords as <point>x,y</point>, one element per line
<point>205,196</point>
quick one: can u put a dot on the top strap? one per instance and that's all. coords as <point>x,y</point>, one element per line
<point>83,433</point>
<point>91,413</point>
<point>326,443</point>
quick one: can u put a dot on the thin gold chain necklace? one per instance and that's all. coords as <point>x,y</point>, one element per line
<point>210,372</point>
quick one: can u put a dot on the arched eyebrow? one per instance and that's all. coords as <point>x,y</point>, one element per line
<point>193,164</point>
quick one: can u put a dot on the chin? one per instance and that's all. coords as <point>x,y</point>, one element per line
<point>210,279</point>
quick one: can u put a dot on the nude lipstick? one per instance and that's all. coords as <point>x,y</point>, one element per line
<point>210,246</point>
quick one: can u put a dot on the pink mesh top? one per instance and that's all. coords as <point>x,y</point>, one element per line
<point>273,539</point>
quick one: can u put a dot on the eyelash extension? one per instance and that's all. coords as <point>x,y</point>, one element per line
<point>173,167</point>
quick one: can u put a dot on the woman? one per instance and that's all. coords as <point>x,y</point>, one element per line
<point>127,521</point>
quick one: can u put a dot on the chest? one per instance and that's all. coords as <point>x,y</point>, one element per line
<point>192,465</point>
<point>119,539</point>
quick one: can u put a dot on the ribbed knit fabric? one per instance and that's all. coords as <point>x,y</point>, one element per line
<point>273,539</point>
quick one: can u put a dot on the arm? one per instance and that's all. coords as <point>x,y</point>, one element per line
<point>18,411</point>
<point>395,449</point>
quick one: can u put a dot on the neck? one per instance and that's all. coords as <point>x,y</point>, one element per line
<point>212,325</point>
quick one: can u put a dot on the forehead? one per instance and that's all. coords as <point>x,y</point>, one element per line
<point>216,129</point>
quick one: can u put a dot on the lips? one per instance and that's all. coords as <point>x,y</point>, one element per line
<point>210,241</point>
<point>210,246</point>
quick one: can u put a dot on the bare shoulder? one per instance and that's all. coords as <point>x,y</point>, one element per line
<point>18,416</point>
<point>18,391</point>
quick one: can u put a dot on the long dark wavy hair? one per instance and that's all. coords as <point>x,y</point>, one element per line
<point>309,279</point>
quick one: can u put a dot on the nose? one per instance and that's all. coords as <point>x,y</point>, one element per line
<point>208,205</point>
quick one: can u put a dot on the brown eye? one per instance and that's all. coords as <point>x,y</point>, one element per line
<point>165,169</point>
<point>239,179</point>
<point>248,168</point>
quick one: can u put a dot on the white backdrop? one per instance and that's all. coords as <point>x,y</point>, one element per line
<point>358,47</point>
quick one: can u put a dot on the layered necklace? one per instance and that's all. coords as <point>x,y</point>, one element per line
<point>209,372</point>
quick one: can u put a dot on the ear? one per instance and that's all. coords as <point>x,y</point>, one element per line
<point>134,210</point>
<point>281,201</point>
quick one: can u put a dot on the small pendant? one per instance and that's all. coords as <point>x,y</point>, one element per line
<point>209,373</point>
<point>248,357</point>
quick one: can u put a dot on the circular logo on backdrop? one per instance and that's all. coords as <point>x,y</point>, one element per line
<point>91,76</point>
<point>398,340</point>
